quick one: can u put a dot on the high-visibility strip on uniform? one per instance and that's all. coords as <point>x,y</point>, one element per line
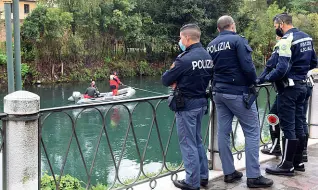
<point>301,40</point>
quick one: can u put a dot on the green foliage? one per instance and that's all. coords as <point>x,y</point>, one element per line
<point>86,39</point>
<point>307,23</point>
<point>33,26</point>
<point>67,183</point>
<point>3,59</point>
<point>304,6</point>
<point>125,70</point>
<point>101,73</point>
<point>119,20</point>
<point>143,67</point>
<point>71,183</point>
<point>255,21</point>
<point>43,34</point>
<point>79,76</point>
<point>264,39</point>
<point>107,60</point>
<point>99,187</point>
<point>56,23</point>
<point>25,69</point>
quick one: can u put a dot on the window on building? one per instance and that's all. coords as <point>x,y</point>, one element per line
<point>26,8</point>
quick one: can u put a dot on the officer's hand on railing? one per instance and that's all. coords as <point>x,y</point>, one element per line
<point>173,86</point>
<point>259,81</point>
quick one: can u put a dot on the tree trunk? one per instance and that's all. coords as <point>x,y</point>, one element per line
<point>125,49</point>
<point>62,68</point>
<point>53,67</point>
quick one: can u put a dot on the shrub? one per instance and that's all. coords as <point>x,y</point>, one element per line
<point>3,59</point>
<point>25,69</point>
<point>67,183</point>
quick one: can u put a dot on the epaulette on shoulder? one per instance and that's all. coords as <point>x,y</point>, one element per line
<point>182,54</point>
<point>242,36</point>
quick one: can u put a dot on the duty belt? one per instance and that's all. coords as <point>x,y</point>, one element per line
<point>300,81</point>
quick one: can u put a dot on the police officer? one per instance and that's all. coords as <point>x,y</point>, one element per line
<point>234,72</point>
<point>190,75</point>
<point>274,131</point>
<point>296,58</point>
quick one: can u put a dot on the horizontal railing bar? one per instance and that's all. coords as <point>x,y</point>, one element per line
<point>63,108</point>
<point>56,109</point>
<point>148,180</point>
<point>3,115</point>
<point>141,159</point>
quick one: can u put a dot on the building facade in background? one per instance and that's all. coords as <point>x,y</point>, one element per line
<point>25,8</point>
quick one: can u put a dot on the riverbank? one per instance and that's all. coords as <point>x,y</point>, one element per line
<point>33,73</point>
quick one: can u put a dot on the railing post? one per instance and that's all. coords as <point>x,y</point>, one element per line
<point>313,111</point>
<point>17,45</point>
<point>10,69</point>
<point>21,141</point>
<point>214,158</point>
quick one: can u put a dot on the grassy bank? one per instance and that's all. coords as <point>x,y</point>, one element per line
<point>31,73</point>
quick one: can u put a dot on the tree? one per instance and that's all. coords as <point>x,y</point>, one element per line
<point>43,33</point>
<point>305,6</point>
<point>121,23</point>
<point>307,23</point>
<point>261,33</point>
<point>31,32</point>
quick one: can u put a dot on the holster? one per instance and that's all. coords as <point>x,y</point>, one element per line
<point>176,101</point>
<point>280,85</point>
<point>249,98</point>
<point>179,99</point>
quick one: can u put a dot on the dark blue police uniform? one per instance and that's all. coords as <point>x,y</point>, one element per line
<point>296,58</point>
<point>274,130</point>
<point>192,73</point>
<point>233,73</point>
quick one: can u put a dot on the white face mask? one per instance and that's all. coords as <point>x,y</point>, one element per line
<point>182,47</point>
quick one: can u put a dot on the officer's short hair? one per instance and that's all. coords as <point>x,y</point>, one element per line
<point>191,30</point>
<point>283,18</point>
<point>224,22</point>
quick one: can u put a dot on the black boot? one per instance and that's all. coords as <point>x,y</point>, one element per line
<point>298,160</point>
<point>305,153</point>
<point>260,182</point>
<point>286,167</point>
<point>181,184</point>
<point>275,136</point>
<point>235,176</point>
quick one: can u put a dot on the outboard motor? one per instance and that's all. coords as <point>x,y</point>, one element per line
<point>76,96</point>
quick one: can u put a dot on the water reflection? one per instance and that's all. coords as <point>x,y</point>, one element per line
<point>57,132</point>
